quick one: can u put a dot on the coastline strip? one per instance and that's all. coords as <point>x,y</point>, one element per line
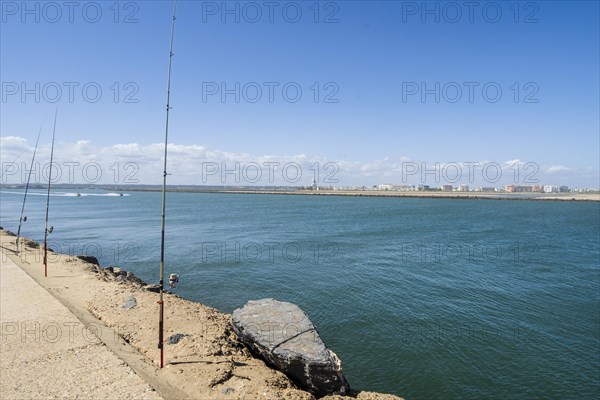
<point>579,197</point>
<point>206,361</point>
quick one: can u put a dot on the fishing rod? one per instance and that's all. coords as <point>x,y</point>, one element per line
<point>24,219</point>
<point>47,231</point>
<point>164,189</point>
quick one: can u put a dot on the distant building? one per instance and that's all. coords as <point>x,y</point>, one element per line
<point>523,189</point>
<point>385,186</point>
<point>537,188</point>
<point>550,189</point>
<point>485,189</point>
<point>463,188</point>
<point>447,188</point>
<point>563,189</point>
<point>314,185</point>
<point>406,188</point>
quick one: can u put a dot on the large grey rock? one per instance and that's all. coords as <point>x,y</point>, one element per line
<point>282,334</point>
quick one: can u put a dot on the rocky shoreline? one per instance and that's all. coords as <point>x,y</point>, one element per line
<point>205,358</point>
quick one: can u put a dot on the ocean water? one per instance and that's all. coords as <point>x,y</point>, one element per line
<point>423,298</point>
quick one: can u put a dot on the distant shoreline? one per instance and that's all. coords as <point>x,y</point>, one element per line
<point>290,191</point>
<point>379,193</point>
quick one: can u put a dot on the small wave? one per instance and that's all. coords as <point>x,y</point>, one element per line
<point>95,194</point>
<point>69,194</point>
<point>31,193</point>
<point>113,194</point>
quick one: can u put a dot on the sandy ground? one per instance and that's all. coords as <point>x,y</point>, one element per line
<point>208,362</point>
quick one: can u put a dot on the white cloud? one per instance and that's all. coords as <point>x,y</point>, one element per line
<point>515,161</point>
<point>13,145</point>
<point>557,168</point>
<point>193,164</point>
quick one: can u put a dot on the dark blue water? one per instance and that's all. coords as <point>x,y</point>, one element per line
<point>424,298</point>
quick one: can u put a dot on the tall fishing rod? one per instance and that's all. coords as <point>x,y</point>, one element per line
<point>46,231</point>
<point>24,219</point>
<point>164,189</point>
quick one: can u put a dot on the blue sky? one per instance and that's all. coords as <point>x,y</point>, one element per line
<point>372,59</point>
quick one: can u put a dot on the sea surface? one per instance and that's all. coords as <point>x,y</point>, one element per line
<point>423,298</point>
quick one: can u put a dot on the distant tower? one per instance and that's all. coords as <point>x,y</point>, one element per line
<point>314,184</point>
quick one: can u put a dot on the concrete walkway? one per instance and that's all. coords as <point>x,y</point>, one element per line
<point>47,353</point>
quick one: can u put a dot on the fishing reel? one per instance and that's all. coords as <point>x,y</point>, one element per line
<point>173,280</point>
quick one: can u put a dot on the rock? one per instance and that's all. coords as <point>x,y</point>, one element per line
<point>130,303</point>
<point>153,288</point>
<point>134,279</point>
<point>89,259</point>
<point>30,243</point>
<point>118,272</point>
<point>283,335</point>
<point>156,289</point>
<point>174,339</point>
<point>9,233</point>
